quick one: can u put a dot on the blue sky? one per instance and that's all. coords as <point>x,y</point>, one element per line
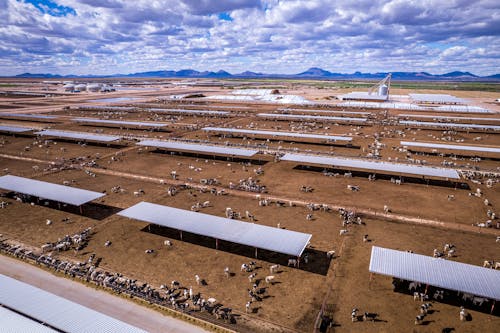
<point>272,36</point>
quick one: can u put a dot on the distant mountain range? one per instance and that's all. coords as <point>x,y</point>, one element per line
<point>311,73</point>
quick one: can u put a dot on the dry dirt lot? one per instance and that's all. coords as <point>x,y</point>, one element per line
<point>293,302</point>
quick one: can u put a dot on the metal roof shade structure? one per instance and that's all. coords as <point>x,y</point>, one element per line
<point>14,129</point>
<point>185,111</point>
<point>438,272</point>
<point>13,322</point>
<point>451,147</point>
<point>118,122</point>
<point>306,117</point>
<point>447,117</point>
<point>50,191</point>
<point>364,95</point>
<point>192,147</point>
<point>326,111</point>
<point>104,107</point>
<point>279,134</point>
<point>449,125</point>
<point>25,115</point>
<point>394,168</point>
<point>79,135</point>
<point>250,234</point>
<point>56,311</point>
<point>436,98</point>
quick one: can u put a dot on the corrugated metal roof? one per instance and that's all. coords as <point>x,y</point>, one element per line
<point>12,322</point>
<point>396,168</point>
<point>277,133</point>
<point>449,125</point>
<point>250,234</point>
<point>326,111</point>
<point>79,135</point>
<point>306,117</point>
<point>452,147</point>
<point>364,95</point>
<point>436,98</point>
<point>436,272</point>
<point>14,129</point>
<point>25,115</point>
<point>56,311</point>
<point>212,150</point>
<point>118,122</point>
<point>44,190</point>
<point>185,111</point>
<point>446,117</point>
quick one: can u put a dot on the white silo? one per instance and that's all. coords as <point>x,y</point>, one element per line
<point>383,90</point>
<point>69,87</point>
<point>80,87</point>
<point>94,87</point>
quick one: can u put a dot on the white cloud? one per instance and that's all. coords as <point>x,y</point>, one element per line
<point>119,36</point>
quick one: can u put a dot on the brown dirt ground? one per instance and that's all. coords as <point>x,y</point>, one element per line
<point>296,300</point>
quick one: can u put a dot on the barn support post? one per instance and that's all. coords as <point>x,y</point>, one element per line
<point>81,210</point>
<point>149,227</point>
<point>298,261</point>
<point>59,205</point>
<point>180,231</point>
<point>256,253</point>
<point>426,288</point>
<point>493,306</point>
<point>216,244</point>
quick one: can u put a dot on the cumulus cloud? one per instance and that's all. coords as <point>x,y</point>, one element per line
<point>120,36</point>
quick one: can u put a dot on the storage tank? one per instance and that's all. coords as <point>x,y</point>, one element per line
<point>69,87</point>
<point>80,87</point>
<point>383,90</point>
<point>94,87</point>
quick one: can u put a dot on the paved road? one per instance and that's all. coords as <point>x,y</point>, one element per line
<point>110,305</point>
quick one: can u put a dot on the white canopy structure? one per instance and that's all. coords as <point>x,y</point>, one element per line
<point>118,122</point>
<point>198,148</point>
<point>191,112</point>
<point>55,311</point>
<point>14,129</point>
<point>394,168</point>
<point>436,272</point>
<point>494,150</point>
<point>79,135</point>
<point>311,118</point>
<point>50,191</point>
<point>277,134</point>
<point>415,123</point>
<point>250,234</point>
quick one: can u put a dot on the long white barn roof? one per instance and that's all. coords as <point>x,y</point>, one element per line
<point>251,234</point>
<point>192,147</point>
<point>45,190</point>
<point>79,135</point>
<point>396,168</point>
<point>446,117</point>
<point>325,111</point>
<point>452,147</point>
<point>14,129</point>
<point>198,112</point>
<point>118,122</point>
<point>448,125</point>
<point>436,272</point>
<point>279,134</point>
<point>13,322</point>
<point>25,115</point>
<point>307,117</point>
<point>56,311</point>
<point>436,98</point>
